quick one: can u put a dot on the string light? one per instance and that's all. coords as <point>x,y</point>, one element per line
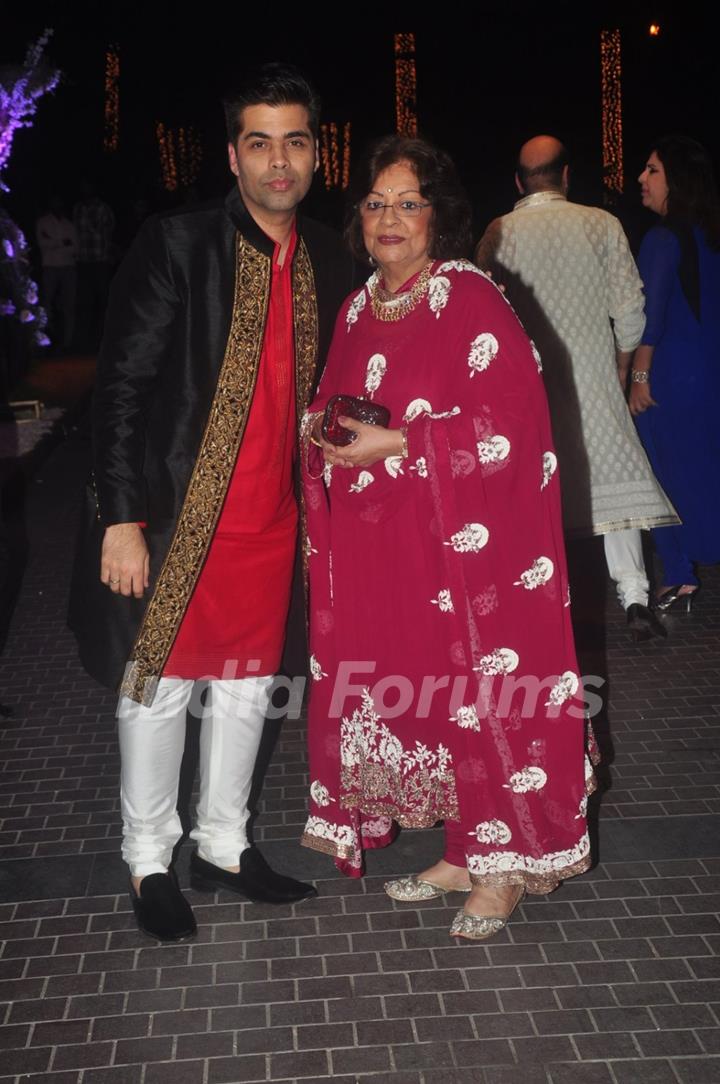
<point>180,152</point>
<point>405,85</point>
<point>335,154</point>
<point>653,30</point>
<point>111,138</point>
<point>611,87</point>
<point>19,96</point>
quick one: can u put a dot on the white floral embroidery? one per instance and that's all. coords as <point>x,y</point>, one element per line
<point>539,573</point>
<point>356,306</point>
<point>438,294</point>
<point>421,467</point>
<point>363,481</point>
<point>494,831</point>
<point>567,597</point>
<point>320,794</point>
<point>393,465</point>
<point>509,861</point>
<point>316,669</point>
<point>327,474</point>
<point>503,660</point>
<point>467,717</point>
<point>530,778</point>
<point>589,773</point>
<point>470,539</point>
<point>494,449</point>
<point>536,355</point>
<point>460,265</point>
<point>444,602</point>
<point>341,835</point>
<point>415,408</point>
<point>549,466</point>
<point>365,738</point>
<point>566,687</point>
<point>483,350</point>
<point>309,548</point>
<point>446,413</point>
<point>582,812</point>
<point>376,369</point>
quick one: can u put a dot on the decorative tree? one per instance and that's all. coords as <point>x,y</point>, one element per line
<point>22,321</point>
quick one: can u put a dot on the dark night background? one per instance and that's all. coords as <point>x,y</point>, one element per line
<point>488,77</point>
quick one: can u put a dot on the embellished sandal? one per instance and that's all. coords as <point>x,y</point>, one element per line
<point>480,927</point>
<point>413,890</point>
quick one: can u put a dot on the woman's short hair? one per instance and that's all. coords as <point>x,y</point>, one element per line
<point>692,191</point>
<point>438,182</point>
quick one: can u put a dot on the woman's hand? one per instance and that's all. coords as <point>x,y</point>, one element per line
<point>640,398</point>
<point>372,443</point>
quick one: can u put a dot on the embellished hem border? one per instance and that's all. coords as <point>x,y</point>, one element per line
<point>537,884</point>
<point>326,846</point>
<point>641,523</point>
<point>401,816</point>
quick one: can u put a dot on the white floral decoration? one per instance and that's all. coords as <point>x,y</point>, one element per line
<point>446,413</point>
<point>393,465</point>
<point>421,467</point>
<point>549,466</point>
<point>438,294</point>
<point>582,812</point>
<point>327,474</point>
<point>467,717</point>
<point>566,603</point>
<point>365,738</point>
<point>364,479</point>
<point>470,539</point>
<point>483,350</point>
<point>494,449</point>
<point>539,573</point>
<point>530,778</point>
<point>416,407</point>
<point>341,835</point>
<point>566,687</point>
<point>320,794</point>
<point>376,369</point>
<point>460,265</point>
<point>356,307</point>
<point>536,355</point>
<point>503,660</point>
<point>316,669</point>
<point>309,548</point>
<point>444,601</point>
<point>493,831</point>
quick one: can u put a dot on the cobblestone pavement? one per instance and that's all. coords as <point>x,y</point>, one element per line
<point>614,979</point>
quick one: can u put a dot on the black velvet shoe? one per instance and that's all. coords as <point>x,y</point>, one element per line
<point>643,624</point>
<point>161,910</point>
<point>256,881</point>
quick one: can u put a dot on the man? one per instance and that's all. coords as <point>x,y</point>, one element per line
<point>55,235</point>
<point>571,278</point>
<point>217,318</point>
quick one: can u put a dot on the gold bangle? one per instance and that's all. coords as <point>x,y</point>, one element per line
<point>640,376</point>
<point>314,441</point>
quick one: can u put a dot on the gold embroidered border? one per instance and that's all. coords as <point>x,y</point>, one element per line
<point>210,477</point>
<point>539,884</point>
<point>326,846</point>
<point>306,354</point>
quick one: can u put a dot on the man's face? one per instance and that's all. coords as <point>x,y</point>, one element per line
<point>273,159</point>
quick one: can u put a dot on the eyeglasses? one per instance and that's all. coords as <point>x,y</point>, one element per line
<point>404,208</point>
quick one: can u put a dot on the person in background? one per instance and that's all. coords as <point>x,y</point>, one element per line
<point>57,241</point>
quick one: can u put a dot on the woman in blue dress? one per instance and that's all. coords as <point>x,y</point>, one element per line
<point>675,389</point>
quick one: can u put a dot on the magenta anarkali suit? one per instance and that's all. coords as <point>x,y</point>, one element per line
<point>445,684</point>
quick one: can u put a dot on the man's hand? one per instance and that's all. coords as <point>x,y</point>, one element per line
<point>125,561</point>
<point>372,443</point>
<point>640,398</point>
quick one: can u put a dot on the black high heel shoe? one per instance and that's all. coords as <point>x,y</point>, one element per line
<point>669,598</point>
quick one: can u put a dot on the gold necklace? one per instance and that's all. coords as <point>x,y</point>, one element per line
<point>391,307</point>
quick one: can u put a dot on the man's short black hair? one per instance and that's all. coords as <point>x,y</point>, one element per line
<point>270,84</point>
<point>547,174</point>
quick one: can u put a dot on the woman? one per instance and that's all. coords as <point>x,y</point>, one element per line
<point>675,390</point>
<point>437,574</point>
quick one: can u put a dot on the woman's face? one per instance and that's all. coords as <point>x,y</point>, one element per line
<point>399,243</point>
<point>653,185</point>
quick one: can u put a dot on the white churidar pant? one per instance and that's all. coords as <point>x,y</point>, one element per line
<point>624,557</point>
<point>152,740</point>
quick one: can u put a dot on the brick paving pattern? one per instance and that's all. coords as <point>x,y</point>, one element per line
<point>614,979</point>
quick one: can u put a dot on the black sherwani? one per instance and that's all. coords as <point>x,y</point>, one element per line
<point>176,374</point>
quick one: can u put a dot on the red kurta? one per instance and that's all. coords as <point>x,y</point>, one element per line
<point>445,679</point>
<point>235,623</point>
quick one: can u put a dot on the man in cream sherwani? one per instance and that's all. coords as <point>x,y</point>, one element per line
<point>571,278</point>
